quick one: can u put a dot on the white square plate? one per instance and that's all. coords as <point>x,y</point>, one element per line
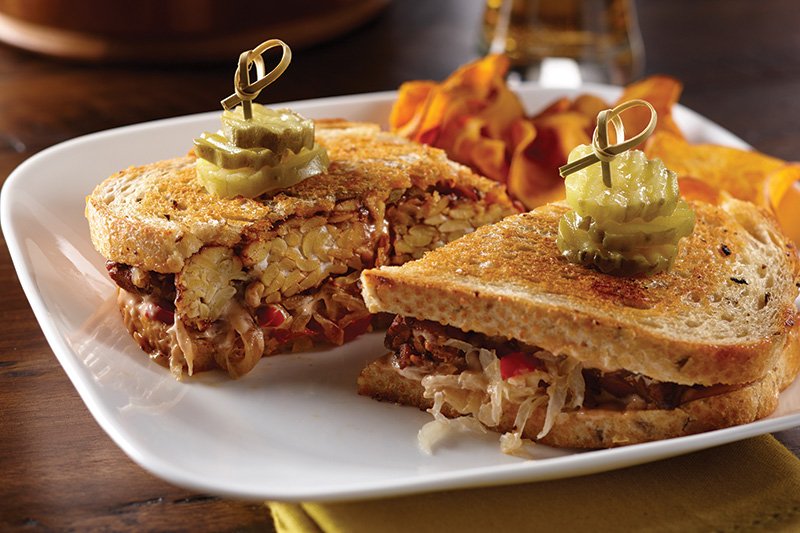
<point>294,428</point>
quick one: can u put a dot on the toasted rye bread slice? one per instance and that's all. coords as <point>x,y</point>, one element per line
<point>605,428</point>
<point>720,315</point>
<point>156,216</point>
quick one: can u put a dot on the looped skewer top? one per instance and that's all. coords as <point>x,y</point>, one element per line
<point>245,91</point>
<point>601,151</point>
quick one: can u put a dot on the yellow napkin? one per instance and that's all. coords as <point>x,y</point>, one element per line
<point>750,485</point>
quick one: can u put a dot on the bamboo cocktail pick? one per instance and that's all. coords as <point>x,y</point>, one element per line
<point>602,152</point>
<point>245,91</point>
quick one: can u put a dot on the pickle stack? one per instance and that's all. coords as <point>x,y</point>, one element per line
<point>273,150</point>
<point>632,227</point>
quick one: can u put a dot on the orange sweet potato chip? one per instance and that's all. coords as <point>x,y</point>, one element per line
<point>405,112</point>
<point>533,173</point>
<point>705,170</point>
<point>590,106</point>
<point>556,107</point>
<point>742,173</point>
<point>531,179</point>
<point>475,89</point>
<point>695,189</point>
<point>469,115</point>
<point>783,196</point>
<point>662,92</point>
<point>467,144</point>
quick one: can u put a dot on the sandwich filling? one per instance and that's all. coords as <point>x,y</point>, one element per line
<point>486,377</point>
<point>288,285</point>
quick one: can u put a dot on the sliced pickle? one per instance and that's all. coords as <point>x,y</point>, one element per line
<point>638,251</point>
<point>216,149</point>
<point>274,149</point>
<point>650,260</point>
<point>276,129</point>
<point>250,183</point>
<point>640,188</point>
<point>623,237</point>
<point>654,260</point>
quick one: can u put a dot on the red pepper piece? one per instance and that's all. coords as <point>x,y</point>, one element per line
<point>357,328</point>
<point>270,316</point>
<point>285,335</point>
<point>516,363</point>
<point>161,313</point>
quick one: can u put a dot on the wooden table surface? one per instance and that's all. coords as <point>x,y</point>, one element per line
<point>740,64</point>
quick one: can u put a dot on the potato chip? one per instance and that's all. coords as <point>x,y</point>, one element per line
<point>533,174</point>
<point>783,195</point>
<point>405,115</point>
<point>590,106</point>
<point>662,92</point>
<point>741,173</point>
<point>470,147</point>
<point>469,115</point>
<point>555,108</point>
<point>530,179</point>
<point>476,89</point>
<point>695,189</point>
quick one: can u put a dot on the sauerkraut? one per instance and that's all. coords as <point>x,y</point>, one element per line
<point>437,429</point>
<point>483,396</point>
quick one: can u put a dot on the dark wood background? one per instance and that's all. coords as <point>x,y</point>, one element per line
<point>739,61</point>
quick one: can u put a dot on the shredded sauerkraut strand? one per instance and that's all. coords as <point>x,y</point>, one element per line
<point>433,432</point>
<point>185,354</point>
<point>512,442</point>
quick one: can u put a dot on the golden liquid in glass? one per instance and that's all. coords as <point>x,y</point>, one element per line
<point>600,35</point>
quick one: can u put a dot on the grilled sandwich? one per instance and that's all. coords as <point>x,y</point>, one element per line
<point>500,328</point>
<point>209,282</point>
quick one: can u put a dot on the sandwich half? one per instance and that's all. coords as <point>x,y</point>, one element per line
<point>498,327</point>
<point>209,282</point>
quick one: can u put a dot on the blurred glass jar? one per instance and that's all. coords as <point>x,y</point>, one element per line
<point>578,40</point>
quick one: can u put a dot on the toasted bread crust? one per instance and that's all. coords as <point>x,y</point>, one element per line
<point>602,428</point>
<point>716,317</point>
<point>156,216</point>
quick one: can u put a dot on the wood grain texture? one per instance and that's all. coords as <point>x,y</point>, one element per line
<point>739,61</point>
